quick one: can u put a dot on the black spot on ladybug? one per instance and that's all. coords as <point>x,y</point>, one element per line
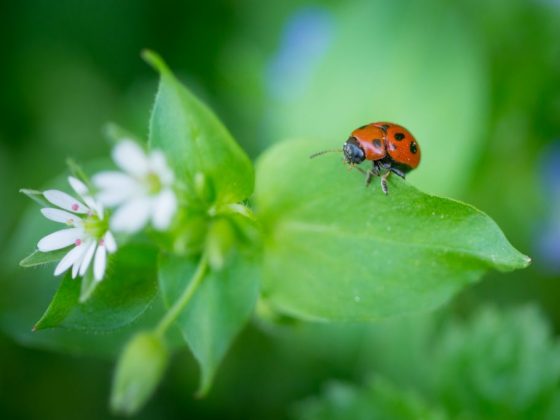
<point>399,136</point>
<point>377,143</point>
<point>413,147</point>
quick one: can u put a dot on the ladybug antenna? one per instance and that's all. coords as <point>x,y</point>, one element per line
<point>314,155</point>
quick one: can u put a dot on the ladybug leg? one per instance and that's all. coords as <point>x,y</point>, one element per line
<point>374,171</point>
<point>384,182</point>
<point>398,172</point>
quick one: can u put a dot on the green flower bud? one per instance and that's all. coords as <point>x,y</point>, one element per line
<point>139,371</point>
<point>219,242</point>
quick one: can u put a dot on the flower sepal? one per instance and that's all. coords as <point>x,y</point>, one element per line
<point>37,258</point>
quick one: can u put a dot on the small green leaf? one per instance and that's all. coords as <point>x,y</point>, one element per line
<point>138,373</point>
<point>335,250</point>
<point>195,141</point>
<point>40,258</point>
<point>378,400</point>
<point>218,310</point>
<point>124,294</point>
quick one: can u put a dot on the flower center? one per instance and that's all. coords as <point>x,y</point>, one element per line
<point>153,183</point>
<point>95,227</point>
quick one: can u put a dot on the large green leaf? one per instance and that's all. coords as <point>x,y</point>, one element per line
<point>335,250</point>
<point>218,310</point>
<point>195,141</point>
<point>124,294</point>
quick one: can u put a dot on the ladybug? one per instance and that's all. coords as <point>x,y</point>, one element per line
<point>390,147</point>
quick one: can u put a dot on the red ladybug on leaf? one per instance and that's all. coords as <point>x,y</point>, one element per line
<point>390,147</point>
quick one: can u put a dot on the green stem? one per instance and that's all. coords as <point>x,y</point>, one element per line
<point>184,299</point>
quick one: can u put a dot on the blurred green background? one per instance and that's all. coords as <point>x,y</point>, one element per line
<point>477,82</point>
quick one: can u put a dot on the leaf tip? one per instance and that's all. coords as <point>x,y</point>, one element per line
<point>154,60</point>
<point>28,192</point>
<point>526,260</point>
<point>41,325</point>
<point>202,391</point>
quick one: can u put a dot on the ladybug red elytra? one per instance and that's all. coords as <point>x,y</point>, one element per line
<point>390,147</point>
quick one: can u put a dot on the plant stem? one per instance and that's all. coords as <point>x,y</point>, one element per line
<point>184,299</point>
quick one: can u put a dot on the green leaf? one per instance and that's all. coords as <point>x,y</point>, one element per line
<point>379,399</point>
<point>122,296</point>
<point>335,250</point>
<point>195,141</point>
<point>218,310</point>
<point>39,258</point>
<point>139,371</point>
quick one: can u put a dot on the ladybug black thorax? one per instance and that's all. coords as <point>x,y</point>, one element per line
<point>353,152</point>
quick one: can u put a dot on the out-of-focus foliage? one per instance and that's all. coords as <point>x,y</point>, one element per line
<point>377,400</point>
<point>497,365</point>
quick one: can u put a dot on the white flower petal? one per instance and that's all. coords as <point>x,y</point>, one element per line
<point>112,198</point>
<point>65,201</point>
<point>91,245</point>
<point>110,242</point>
<point>158,164</point>
<point>116,187</point>
<point>132,216</point>
<point>165,206</point>
<point>113,180</point>
<point>76,266</point>
<point>100,263</point>
<point>60,239</point>
<point>69,259</point>
<point>130,157</point>
<point>61,216</point>
<point>78,186</point>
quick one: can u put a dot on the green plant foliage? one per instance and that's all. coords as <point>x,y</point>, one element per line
<point>378,400</point>
<point>195,141</point>
<point>123,295</point>
<point>139,371</point>
<point>337,251</point>
<point>218,310</point>
<point>499,365</point>
<point>326,249</point>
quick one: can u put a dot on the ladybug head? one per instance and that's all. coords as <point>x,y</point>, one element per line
<point>353,153</point>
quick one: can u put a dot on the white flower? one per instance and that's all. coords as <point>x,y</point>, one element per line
<point>87,231</point>
<point>142,191</point>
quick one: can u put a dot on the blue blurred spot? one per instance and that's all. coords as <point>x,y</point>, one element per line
<point>550,168</point>
<point>549,241</point>
<point>305,40</point>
